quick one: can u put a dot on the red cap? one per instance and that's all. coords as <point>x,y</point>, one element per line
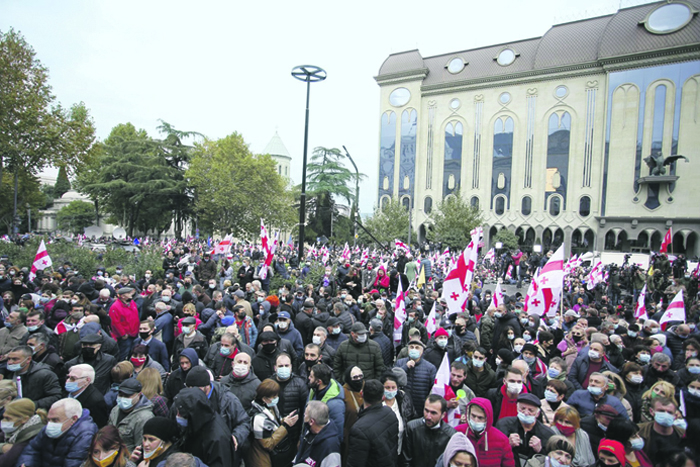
<point>613,447</point>
<point>441,332</point>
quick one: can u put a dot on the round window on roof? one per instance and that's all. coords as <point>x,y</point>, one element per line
<point>504,98</point>
<point>668,18</point>
<point>506,57</point>
<point>561,91</point>
<point>455,66</point>
<point>399,97</point>
<point>455,103</point>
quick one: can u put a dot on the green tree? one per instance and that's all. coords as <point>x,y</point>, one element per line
<point>133,181</point>
<point>387,224</point>
<point>508,238</point>
<point>28,193</point>
<point>34,133</point>
<point>454,220</point>
<point>75,217</point>
<point>62,183</point>
<point>234,189</point>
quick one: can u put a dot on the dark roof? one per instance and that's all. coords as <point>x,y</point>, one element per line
<point>583,43</point>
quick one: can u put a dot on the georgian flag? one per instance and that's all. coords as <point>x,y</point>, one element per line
<point>431,322</point>
<point>346,252</point>
<point>534,300</point>
<point>551,281</point>
<point>491,255</point>
<point>267,250</point>
<point>224,246</point>
<point>399,314</point>
<point>640,310</point>
<point>441,385</point>
<point>674,312</point>
<point>497,296</point>
<point>595,276</point>
<point>42,260</point>
<point>365,257</point>
<point>668,240</point>
<point>399,245</point>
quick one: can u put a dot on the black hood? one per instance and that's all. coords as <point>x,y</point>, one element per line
<point>192,404</point>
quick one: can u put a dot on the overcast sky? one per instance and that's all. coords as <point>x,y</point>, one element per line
<point>222,66</point>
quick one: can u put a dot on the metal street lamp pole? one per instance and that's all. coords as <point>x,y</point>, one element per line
<point>309,74</point>
<point>357,195</point>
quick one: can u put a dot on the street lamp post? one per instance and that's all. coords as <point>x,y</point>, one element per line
<point>309,74</point>
<point>357,195</point>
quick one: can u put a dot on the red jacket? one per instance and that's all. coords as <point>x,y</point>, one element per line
<point>125,319</point>
<point>492,446</point>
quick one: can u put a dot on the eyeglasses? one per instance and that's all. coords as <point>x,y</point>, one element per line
<point>75,378</point>
<point>358,377</point>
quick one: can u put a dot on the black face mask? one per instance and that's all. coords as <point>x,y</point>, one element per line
<point>144,336</point>
<point>310,363</point>
<point>460,330</point>
<point>88,353</point>
<point>356,384</point>
<point>269,348</point>
<point>577,338</point>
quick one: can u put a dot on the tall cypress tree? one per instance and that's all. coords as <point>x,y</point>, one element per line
<point>62,183</point>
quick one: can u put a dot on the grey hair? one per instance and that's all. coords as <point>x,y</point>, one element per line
<point>660,357</point>
<point>71,407</point>
<point>323,330</point>
<point>318,411</point>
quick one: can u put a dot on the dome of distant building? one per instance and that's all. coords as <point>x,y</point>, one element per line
<point>280,154</point>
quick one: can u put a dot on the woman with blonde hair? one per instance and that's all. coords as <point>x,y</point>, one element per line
<point>567,422</point>
<point>20,423</point>
<point>152,388</point>
<point>8,391</point>
<point>659,389</point>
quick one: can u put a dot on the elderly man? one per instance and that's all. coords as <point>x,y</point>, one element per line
<point>320,443</point>
<point>132,411</point>
<point>586,400</point>
<point>13,333</point>
<point>587,363</point>
<point>526,434</point>
<point>660,370</point>
<point>65,441</point>
<point>79,387</point>
<point>242,381</point>
<point>92,354</point>
<point>320,335</point>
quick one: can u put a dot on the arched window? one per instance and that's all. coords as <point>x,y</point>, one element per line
<point>503,129</point>
<point>452,168</point>
<point>406,202</point>
<point>387,149</point>
<point>475,202</point>
<point>584,206</point>
<point>526,206</point>
<point>558,155</point>
<point>554,206</point>
<point>384,202</point>
<point>428,205</point>
<point>500,205</point>
<point>407,167</point>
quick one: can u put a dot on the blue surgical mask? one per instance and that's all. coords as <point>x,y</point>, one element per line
<point>550,396</point>
<point>644,358</point>
<point>72,386</point>
<point>390,394</point>
<point>414,354</point>
<point>595,391</point>
<point>225,351</point>
<point>631,333</point>
<point>32,328</point>
<point>553,373</point>
<point>273,402</point>
<point>477,426</point>
<point>664,419</point>
<point>186,329</point>
<point>637,443</point>
<point>602,427</point>
<point>284,372</point>
<point>695,370</point>
<point>181,421</point>
<point>125,403</point>
<point>478,363</point>
<point>54,429</point>
<point>529,360</point>
<point>526,419</point>
<point>555,463</point>
<point>14,366</point>
<point>8,324</point>
<point>527,337</point>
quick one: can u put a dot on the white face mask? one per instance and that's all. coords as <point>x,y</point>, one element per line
<point>514,388</point>
<point>361,338</point>
<point>240,369</point>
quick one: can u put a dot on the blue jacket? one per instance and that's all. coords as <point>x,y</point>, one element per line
<point>323,450</point>
<point>69,450</point>
<point>419,381</point>
<point>294,336</point>
<point>156,350</point>
<point>582,401</point>
<point>334,397</point>
<point>164,323</point>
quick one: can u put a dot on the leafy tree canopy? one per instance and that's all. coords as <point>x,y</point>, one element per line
<point>387,224</point>
<point>75,217</point>
<point>454,220</point>
<point>508,238</point>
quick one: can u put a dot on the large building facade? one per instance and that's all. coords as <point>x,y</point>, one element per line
<point>551,136</point>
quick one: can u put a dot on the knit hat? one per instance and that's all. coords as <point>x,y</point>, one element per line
<point>506,356</point>
<point>198,377</point>
<point>530,348</point>
<point>161,427</point>
<point>20,408</point>
<point>613,447</point>
<point>441,333</point>
<point>560,443</point>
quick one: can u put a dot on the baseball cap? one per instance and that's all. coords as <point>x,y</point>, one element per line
<point>359,328</point>
<point>130,387</point>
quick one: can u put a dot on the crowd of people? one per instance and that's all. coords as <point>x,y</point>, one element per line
<point>201,364</point>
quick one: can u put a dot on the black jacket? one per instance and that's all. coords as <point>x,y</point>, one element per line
<point>387,348</point>
<point>243,388</point>
<point>434,354</point>
<point>94,401</point>
<point>374,438</point>
<point>102,364</point>
<point>207,436</point>
<point>422,445</point>
<point>480,381</point>
<point>305,325</point>
<point>511,425</point>
<point>40,384</point>
<point>294,393</point>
